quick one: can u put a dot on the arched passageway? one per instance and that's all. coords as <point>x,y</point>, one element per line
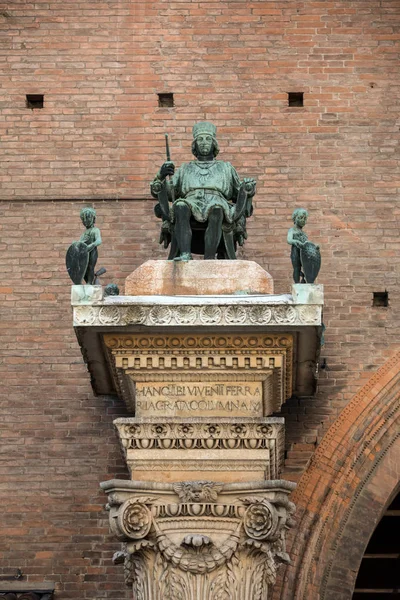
<point>343,494</point>
<point>379,574</point>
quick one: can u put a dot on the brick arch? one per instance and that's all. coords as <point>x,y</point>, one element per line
<point>344,491</point>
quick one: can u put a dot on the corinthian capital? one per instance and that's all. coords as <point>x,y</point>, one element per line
<point>200,535</point>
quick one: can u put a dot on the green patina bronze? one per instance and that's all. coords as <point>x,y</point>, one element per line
<point>82,255</point>
<point>203,205</point>
<point>111,289</point>
<point>305,256</point>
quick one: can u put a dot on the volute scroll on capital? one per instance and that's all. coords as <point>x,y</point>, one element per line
<point>200,537</point>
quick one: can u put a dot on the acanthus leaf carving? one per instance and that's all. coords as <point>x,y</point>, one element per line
<point>182,548</point>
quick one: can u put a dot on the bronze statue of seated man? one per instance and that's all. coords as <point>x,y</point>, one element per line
<point>203,205</point>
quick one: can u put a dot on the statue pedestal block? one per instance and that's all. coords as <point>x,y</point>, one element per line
<point>198,277</point>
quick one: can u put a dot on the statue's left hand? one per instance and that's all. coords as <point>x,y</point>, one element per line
<point>250,185</point>
<point>240,239</point>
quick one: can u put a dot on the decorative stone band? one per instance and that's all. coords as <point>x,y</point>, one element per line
<point>197,312</point>
<point>207,446</point>
<point>201,539</point>
<point>137,430</point>
<point>195,316</point>
<point>197,341</point>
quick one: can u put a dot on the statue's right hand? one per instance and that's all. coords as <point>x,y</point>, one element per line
<point>168,169</point>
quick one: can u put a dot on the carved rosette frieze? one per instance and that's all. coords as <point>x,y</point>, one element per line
<point>197,315</point>
<point>201,539</point>
<point>223,445</point>
<point>201,434</point>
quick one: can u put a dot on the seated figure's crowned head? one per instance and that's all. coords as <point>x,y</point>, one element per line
<point>202,132</point>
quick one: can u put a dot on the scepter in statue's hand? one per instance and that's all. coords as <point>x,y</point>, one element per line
<point>166,193</point>
<point>167,148</point>
<point>168,168</point>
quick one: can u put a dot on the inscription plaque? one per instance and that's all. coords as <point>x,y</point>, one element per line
<point>189,399</point>
<point>184,375</point>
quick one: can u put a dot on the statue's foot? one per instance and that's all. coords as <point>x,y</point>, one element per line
<point>185,256</point>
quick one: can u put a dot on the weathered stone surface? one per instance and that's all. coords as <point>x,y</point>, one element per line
<point>224,449</point>
<point>201,539</point>
<point>308,293</point>
<point>198,277</point>
<point>264,315</point>
<point>86,294</point>
<point>27,590</point>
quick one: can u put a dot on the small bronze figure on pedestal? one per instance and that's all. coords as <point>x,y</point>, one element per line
<point>203,205</point>
<point>305,256</point>
<point>82,256</point>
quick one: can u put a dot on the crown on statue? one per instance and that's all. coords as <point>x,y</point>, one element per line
<point>204,127</point>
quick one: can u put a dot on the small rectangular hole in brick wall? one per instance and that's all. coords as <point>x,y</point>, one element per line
<point>34,100</point>
<point>165,100</point>
<point>296,98</point>
<point>380,299</point>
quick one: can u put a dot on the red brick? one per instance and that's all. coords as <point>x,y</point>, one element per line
<point>99,139</point>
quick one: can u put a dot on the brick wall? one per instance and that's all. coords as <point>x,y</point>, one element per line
<point>99,138</point>
<point>57,440</point>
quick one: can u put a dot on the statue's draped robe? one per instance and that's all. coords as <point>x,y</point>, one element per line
<point>202,186</point>
<point>205,185</point>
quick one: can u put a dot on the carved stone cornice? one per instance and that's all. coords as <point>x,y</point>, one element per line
<point>112,312</point>
<point>231,448</point>
<point>201,539</point>
<point>297,315</point>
